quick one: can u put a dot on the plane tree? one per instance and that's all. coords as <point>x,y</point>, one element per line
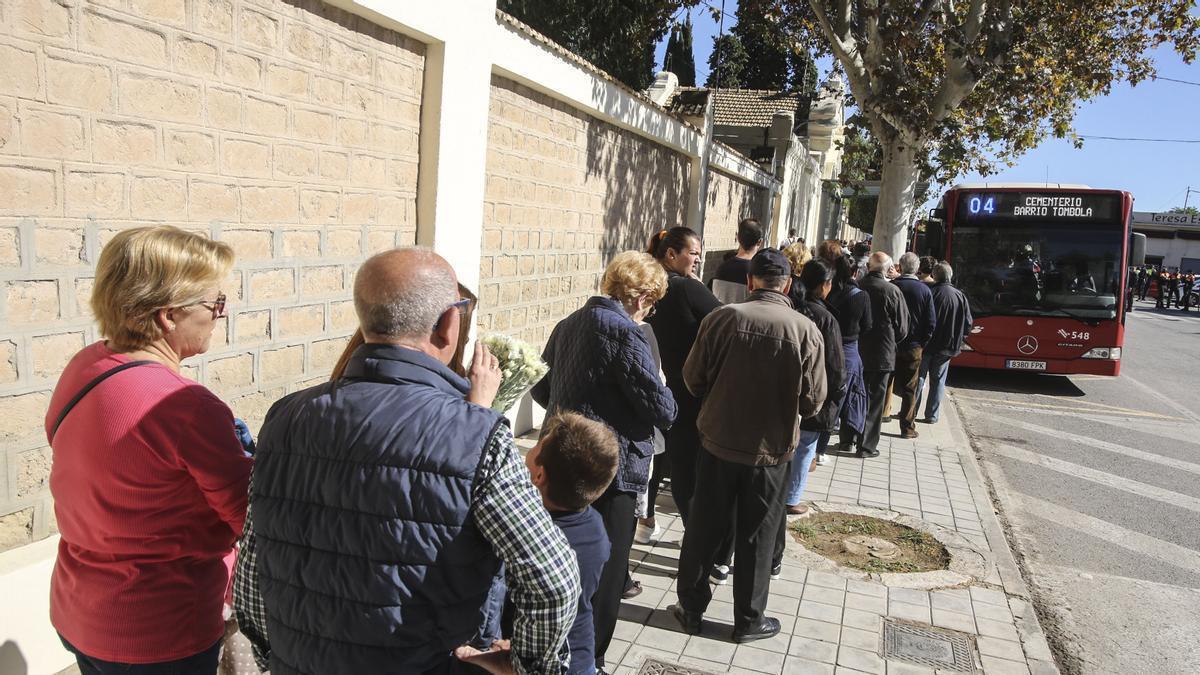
<point>968,85</point>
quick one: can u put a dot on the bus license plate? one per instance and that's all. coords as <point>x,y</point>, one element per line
<point>1025,365</point>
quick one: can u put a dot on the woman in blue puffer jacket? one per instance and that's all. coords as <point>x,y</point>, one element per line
<point>601,366</point>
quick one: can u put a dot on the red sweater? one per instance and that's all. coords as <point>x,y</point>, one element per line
<point>149,485</point>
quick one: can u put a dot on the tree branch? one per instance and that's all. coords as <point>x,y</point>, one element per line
<point>843,17</point>
<point>843,44</point>
<point>973,21</point>
<point>924,13</point>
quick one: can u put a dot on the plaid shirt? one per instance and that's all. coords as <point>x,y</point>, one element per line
<point>540,568</point>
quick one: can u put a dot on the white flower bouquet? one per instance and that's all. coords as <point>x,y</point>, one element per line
<point>521,366</point>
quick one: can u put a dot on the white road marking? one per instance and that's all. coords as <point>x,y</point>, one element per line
<point>1166,317</point>
<point>1168,552</point>
<point>1183,433</point>
<point>1107,479</point>
<point>1167,400</point>
<point>1104,445</point>
<point>1027,406</point>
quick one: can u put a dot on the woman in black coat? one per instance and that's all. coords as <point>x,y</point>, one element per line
<point>676,321</point>
<point>852,308</point>
<point>808,294</point>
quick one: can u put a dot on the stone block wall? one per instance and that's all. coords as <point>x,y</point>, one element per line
<point>287,128</point>
<point>565,193</point>
<point>729,200</point>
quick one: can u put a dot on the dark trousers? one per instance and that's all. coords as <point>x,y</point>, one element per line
<point>876,382</point>
<point>683,447</point>
<point>908,369</point>
<point>204,663</point>
<point>755,495</point>
<point>617,509</point>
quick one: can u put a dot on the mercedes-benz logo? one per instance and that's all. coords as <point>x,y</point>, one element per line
<point>1027,344</point>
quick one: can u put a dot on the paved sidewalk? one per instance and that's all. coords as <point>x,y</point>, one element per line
<point>833,618</point>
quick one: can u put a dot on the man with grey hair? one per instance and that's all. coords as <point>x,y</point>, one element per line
<point>384,503</point>
<point>953,323</point>
<point>878,349</point>
<point>921,324</point>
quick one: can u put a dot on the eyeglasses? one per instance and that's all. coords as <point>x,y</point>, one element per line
<point>217,307</point>
<point>464,306</point>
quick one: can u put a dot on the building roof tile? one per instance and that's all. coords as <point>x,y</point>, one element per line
<point>740,107</point>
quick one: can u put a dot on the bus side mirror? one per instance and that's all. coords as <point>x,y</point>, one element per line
<point>1137,249</point>
<point>937,213</point>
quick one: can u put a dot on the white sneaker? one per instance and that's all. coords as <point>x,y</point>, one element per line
<point>719,574</point>
<point>822,460</point>
<point>645,535</point>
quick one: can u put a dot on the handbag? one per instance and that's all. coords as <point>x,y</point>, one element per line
<point>237,657</point>
<point>88,387</point>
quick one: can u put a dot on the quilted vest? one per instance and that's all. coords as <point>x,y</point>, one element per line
<point>368,559</point>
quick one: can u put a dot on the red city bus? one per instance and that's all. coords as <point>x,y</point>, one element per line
<point>1044,270</point>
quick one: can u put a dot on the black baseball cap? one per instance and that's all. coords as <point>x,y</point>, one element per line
<point>769,262</point>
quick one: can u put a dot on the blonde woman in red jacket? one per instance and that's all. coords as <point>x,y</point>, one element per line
<point>149,479</point>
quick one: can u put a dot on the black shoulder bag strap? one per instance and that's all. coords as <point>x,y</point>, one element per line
<point>88,387</point>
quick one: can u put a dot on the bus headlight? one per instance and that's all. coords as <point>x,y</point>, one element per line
<point>1109,353</point>
<point>967,348</point>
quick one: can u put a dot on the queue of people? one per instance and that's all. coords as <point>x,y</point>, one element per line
<point>392,525</point>
<point>1169,287</point>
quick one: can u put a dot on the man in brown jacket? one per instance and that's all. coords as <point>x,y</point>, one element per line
<point>758,366</point>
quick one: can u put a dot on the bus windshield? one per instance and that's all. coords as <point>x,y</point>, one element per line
<point>1036,268</point>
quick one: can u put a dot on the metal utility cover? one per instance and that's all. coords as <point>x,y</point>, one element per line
<point>929,646</point>
<point>655,667</point>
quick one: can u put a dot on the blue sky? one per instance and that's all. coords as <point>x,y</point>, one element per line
<point>1158,174</point>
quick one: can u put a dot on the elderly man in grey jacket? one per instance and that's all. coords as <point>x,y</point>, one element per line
<point>759,366</point>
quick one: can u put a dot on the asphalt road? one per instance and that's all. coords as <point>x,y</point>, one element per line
<point>1098,483</point>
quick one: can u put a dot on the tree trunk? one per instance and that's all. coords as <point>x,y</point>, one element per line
<point>896,193</point>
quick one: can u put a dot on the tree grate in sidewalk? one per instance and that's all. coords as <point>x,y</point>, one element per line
<point>946,650</point>
<point>656,667</point>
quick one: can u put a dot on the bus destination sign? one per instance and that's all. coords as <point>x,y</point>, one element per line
<point>1062,207</point>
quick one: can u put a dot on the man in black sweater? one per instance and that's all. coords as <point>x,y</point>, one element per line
<point>953,322</point>
<point>889,325</point>
<point>729,283</point>
<point>919,301</point>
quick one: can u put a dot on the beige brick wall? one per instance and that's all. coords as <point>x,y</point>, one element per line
<point>729,200</point>
<point>565,193</point>
<point>287,128</point>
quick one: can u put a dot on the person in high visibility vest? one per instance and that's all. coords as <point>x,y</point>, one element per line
<point>1189,280</point>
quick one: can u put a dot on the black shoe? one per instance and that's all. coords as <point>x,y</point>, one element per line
<point>847,448</point>
<point>719,574</point>
<point>777,571</point>
<point>864,453</point>
<point>767,628</point>
<point>690,621</point>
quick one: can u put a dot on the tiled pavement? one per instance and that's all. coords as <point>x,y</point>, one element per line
<point>833,622</point>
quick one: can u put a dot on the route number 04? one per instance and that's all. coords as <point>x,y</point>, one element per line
<point>978,204</point>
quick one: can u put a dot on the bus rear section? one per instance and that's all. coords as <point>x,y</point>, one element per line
<point>1044,272</point>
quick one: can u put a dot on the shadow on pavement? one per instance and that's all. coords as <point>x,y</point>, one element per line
<point>1012,382</point>
<point>1147,308</point>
